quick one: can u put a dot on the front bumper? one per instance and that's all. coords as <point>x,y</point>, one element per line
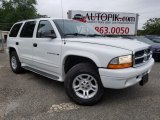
<point>123,78</point>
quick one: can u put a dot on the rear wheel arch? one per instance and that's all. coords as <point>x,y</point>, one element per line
<point>12,49</point>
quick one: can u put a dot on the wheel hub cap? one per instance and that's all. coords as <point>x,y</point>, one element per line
<point>13,62</point>
<point>85,86</point>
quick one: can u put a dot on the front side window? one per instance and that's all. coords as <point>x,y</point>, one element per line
<point>28,29</point>
<point>45,29</point>
<point>15,30</point>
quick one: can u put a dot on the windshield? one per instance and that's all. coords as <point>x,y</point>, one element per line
<point>72,28</point>
<point>145,40</point>
<point>140,38</point>
<point>156,40</point>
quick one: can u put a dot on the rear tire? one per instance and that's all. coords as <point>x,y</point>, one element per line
<point>83,84</point>
<point>15,63</point>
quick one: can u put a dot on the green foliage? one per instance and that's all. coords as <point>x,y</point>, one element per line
<point>151,27</point>
<point>12,11</point>
<point>140,32</point>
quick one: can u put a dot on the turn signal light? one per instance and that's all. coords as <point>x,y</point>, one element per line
<point>119,66</point>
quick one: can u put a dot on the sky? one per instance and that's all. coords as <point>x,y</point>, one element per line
<point>145,8</point>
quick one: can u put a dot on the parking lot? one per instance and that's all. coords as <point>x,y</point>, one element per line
<point>31,96</point>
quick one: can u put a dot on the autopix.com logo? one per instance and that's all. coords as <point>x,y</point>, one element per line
<point>108,17</point>
<point>80,18</point>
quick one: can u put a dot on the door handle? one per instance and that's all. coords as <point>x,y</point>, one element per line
<point>34,44</point>
<point>17,43</point>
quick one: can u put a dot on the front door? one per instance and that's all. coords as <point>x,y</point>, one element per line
<point>47,48</point>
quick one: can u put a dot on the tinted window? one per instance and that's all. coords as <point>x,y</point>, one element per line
<point>28,29</point>
<point>45,29</point>
<point>15,30</point>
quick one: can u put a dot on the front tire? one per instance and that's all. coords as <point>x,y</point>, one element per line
<point>83,84</point>
<point>15,63</point>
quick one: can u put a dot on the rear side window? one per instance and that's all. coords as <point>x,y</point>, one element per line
<point>15,30</point>
<point>28,29</point>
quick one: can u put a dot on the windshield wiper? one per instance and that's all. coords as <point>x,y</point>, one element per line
<point>94,35</point>
<point>79,34</point>
<point>74,34</point>
<point>109,36</point>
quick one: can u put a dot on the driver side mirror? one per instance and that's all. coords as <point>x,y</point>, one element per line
<point>52,36</point>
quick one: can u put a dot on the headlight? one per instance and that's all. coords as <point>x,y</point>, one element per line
<point>121,62</point>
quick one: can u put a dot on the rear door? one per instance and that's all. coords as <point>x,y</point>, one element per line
<point>47,47</point>
<point>25,42</point>
<point>13,39</point>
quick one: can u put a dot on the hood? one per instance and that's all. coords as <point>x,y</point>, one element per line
<point>156,45</point>
<point>132,45</point>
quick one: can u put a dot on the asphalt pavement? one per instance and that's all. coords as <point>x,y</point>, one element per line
<point>29,96</point>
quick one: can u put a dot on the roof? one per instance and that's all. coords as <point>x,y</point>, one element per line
<point>42,19</point>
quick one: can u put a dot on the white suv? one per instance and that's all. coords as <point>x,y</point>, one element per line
<point>71,52</point>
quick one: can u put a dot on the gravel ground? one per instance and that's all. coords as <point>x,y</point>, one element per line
<point>29,96</point>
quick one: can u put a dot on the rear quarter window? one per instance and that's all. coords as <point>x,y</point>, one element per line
<point>28,29</point>
<point>15,29</point>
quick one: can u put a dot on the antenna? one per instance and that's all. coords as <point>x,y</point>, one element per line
<point>62,17</point>
<point>62,7</point>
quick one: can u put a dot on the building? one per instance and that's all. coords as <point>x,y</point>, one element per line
<point>3,39</point>
<point>3,35</point>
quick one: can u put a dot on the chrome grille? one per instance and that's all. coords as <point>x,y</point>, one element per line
<point>142,56</point>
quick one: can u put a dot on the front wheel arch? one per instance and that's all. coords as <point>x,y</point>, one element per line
<point>72,60</point>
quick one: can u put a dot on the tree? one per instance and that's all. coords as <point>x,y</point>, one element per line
<point>140,32</point>
<point>12,11</point>
<point>152,27</point>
